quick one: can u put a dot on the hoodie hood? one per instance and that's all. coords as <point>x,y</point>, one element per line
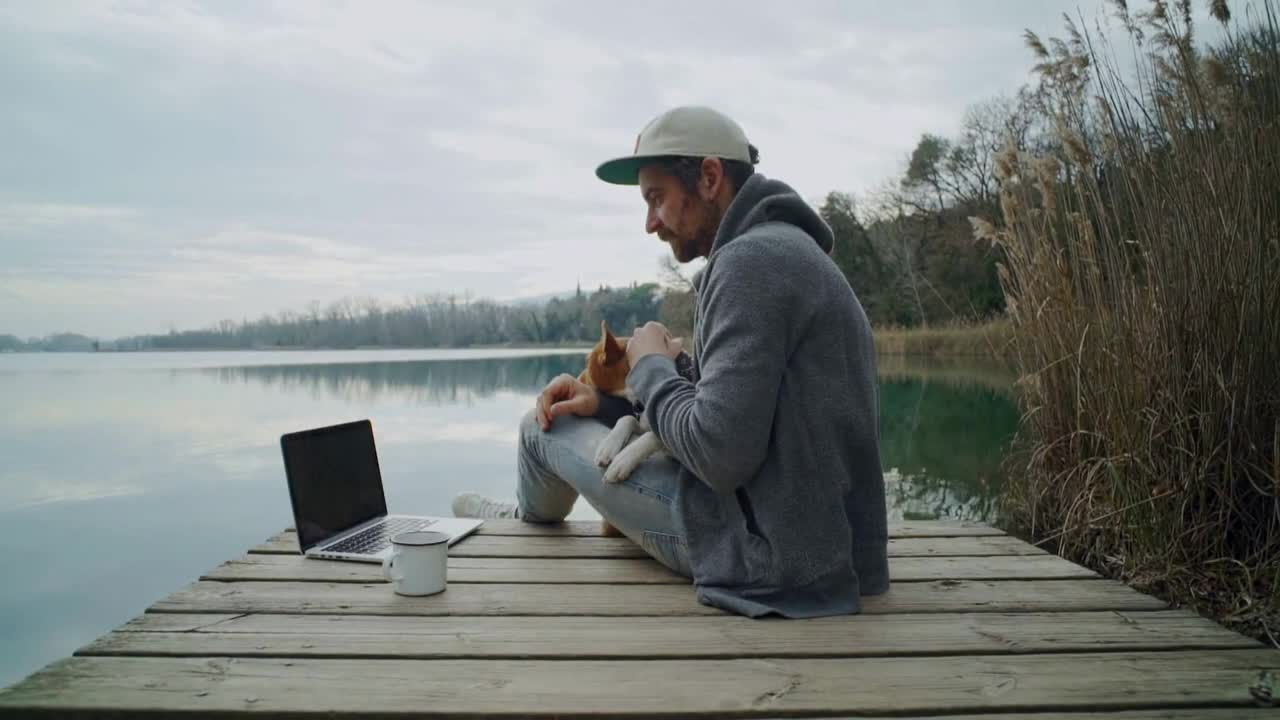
<point>761,200</point>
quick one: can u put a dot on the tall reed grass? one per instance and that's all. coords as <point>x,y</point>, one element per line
<point>1143,284</point>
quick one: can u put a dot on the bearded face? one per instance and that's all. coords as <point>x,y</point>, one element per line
<point>685,220</point>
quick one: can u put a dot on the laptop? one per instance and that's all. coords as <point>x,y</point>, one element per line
<point>339,508</point>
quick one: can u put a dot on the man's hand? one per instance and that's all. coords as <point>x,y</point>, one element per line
<point>565,395</point>
<point>653,338</point>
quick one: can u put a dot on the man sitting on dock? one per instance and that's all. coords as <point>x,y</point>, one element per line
<point>773,500</point>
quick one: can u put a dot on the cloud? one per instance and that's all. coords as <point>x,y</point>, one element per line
<point>17,217</point>
<point>182,162</point>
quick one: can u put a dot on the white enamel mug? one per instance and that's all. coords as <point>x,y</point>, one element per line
<point>418,562</point>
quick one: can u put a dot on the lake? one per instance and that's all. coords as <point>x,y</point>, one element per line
<point>124,476</point>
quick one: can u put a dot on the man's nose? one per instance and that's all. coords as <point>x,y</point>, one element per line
<point>651,223</point>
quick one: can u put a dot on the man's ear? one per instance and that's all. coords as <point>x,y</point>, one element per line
<point>712,178</point>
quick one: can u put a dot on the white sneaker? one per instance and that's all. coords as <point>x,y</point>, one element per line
<point>474,505</point>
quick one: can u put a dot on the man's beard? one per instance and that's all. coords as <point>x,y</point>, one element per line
<point>704,234</point>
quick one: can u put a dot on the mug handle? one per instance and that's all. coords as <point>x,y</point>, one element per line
<point>388,567</point>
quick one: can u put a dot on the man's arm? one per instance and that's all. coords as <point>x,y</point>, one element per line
<point>720,428</point>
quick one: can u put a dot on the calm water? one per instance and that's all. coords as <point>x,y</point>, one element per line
<point>124,476</point>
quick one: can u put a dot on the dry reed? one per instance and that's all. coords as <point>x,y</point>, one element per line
<point>990,339</point>
<point>1143,281</point>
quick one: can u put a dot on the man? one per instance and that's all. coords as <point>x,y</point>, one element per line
<point>773,499</point>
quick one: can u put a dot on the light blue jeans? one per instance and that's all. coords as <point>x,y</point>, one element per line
<point>558,465</point>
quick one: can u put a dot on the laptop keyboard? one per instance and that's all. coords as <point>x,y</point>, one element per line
<point>375,538</point>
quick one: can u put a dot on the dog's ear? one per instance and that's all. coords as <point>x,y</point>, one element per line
<point>613,351</point>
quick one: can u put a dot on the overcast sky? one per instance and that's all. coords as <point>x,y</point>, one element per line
<point>172,164</point>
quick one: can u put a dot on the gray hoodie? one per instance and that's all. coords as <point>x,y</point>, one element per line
<point>782,499</point>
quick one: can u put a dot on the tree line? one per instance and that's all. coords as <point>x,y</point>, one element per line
<point>434,321</point>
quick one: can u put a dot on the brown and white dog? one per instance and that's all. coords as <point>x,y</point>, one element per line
<point>607,369</point>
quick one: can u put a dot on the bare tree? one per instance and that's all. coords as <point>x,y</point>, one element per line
<point>670,276</point>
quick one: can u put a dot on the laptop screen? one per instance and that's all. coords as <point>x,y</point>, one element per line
<point>334,482</point>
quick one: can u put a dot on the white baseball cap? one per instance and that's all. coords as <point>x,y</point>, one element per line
<point>689,131</point>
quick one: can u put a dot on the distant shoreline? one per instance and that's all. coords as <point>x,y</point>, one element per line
<point>273,348</point>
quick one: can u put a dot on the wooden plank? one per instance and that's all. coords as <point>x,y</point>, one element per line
<point>1165,714</point>
<point>501,546</point>
<point>644,688</point>
<point>591,528</point>
<point>337,636</point>
<point>626,571</point>
<point>286,543</point>
<point>177,622</point>
<point>639,600</point>
<point>630,571</point>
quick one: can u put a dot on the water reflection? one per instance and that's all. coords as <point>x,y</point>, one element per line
<point>945,428</point>
<point>945,425</point>
<point>440,382</point>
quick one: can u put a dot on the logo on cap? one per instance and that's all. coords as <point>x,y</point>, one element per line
<point>636,149</point>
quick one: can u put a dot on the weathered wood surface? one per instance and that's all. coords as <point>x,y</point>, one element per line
<point>628,570</point>
<point>633,600</point>
<point>557,620</point>
<point>883,685</point>
<point>568,637</point>
<point>286,543</point>
<point>590,528</point>
<point>1235,713</point>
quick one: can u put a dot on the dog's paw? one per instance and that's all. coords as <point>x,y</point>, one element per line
<point>619,470</point>
<point>607,451</point>
<point>625,463</point>
<point>612,443</point>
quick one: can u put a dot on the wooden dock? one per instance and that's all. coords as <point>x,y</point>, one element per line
<point>558,621</point>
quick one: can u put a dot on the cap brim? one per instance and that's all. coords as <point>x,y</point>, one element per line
<point>624,170</point>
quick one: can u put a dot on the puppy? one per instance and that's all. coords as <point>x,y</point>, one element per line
<point>607,369</point>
